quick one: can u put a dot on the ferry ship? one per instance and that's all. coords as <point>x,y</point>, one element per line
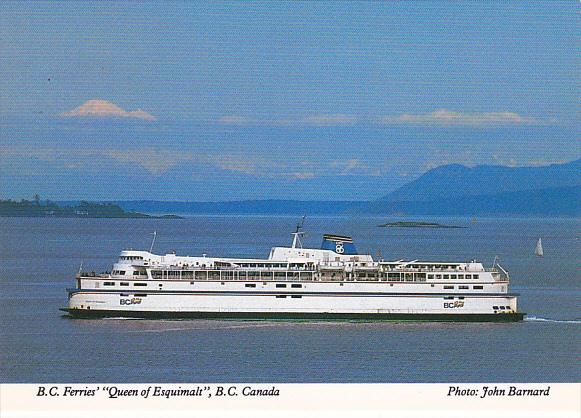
<point>333,282</point>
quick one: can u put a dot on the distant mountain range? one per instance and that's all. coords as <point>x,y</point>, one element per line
<point>553,201</point>
<point>455,180</point>
<point>45,209</point>
<point>254,207</point>
<point>454,189</point>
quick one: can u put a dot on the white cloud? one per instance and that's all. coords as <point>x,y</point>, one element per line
<point>330,120</point>
<point>234,120</point>
<point>539,162</point>
<point>336,119</point>
<point>154,161</point>
<point>350,166</point>
<point>451,118</point>
<point>303,175</point>
<point>105,109</point>
<point>238,165</point>
<point>247,164</point>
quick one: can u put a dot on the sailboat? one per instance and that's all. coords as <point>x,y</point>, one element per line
<point>539,249</point>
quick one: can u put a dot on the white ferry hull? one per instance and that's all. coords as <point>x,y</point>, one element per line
<point>295,306</point>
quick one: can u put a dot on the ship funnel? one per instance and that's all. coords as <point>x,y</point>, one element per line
<point>339,244</point>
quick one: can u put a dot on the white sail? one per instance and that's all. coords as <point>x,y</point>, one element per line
<point>539,249</point>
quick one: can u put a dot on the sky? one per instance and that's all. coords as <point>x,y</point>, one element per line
<point>278,100</point>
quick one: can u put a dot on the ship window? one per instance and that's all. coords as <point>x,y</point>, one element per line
<point>461,298</point>
<point>475,276</point>
<point>438,276</point>
<point>468,277</point>
<point>296,285</point>
<point>250,285</point>
<point>280,285</point>
<point>280,296</point>
<point>109,284</point>
<point>461,276</point>
<point>420,277</point>
<point>446,276</point>
<point>140,284</point>
<point>448,297</point>
<point>448,287</point>
<point>495,308</point>
<point>140,295</point>
<point>124,284</point>
<point>477,287</point>
<point>464,287</point>
<point>124,294</point>
<point>296,296</point>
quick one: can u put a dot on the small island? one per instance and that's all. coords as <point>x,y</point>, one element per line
<point>47,208</point>
<point>414,224</point>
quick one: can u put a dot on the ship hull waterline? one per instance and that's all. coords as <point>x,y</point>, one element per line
<point>297,316</point>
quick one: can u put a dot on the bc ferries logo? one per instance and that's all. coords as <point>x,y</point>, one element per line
<point>339,244</point>
<point>132,301</point>
<point>455,304</point>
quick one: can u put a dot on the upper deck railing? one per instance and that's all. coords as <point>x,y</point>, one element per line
<point>281,274</point>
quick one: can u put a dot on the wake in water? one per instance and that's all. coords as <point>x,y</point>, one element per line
<point>560,321</point>
<point>205,328</point>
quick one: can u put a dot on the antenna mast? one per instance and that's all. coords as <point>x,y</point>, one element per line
<point>153,241</point>
<point>297,243</point>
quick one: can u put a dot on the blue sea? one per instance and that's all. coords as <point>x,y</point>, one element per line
<point>40,256</point>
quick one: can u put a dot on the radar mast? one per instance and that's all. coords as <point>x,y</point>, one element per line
<point>297,242</point>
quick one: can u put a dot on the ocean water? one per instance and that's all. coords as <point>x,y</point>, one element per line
<point>39,259</point>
